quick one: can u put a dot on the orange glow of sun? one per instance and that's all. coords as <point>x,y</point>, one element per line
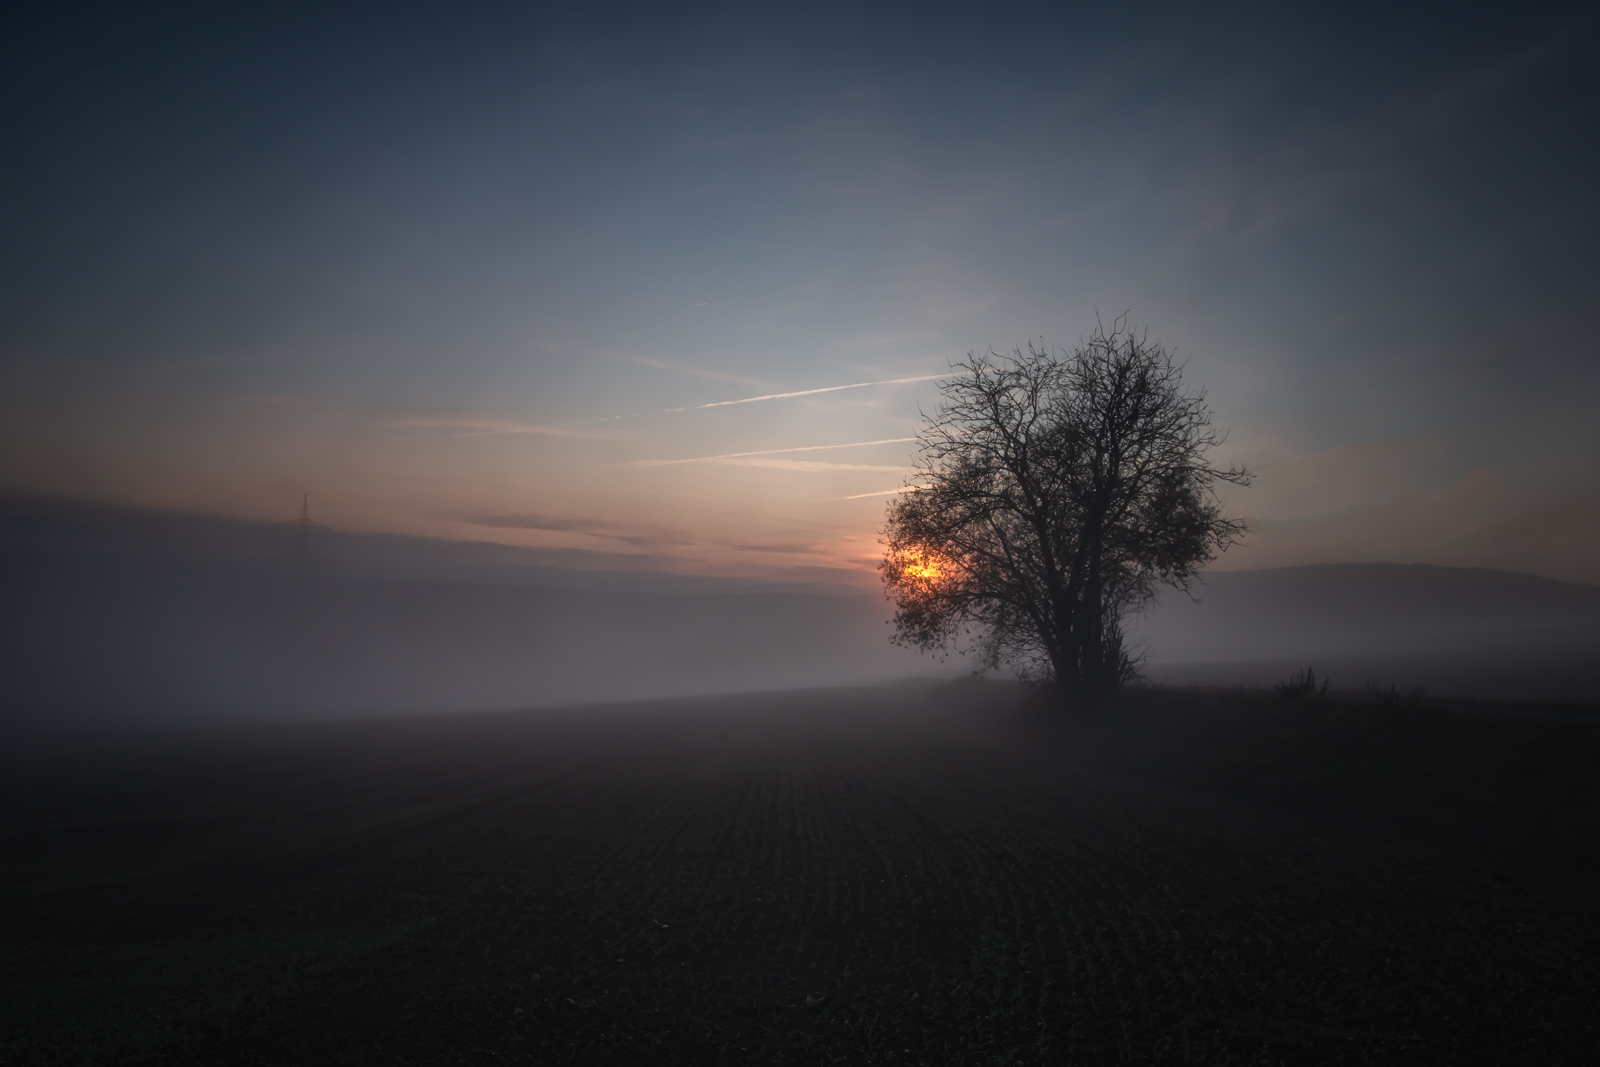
<point>924,565</point>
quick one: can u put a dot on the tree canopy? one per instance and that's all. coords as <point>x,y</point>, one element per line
<point>1054,492</point>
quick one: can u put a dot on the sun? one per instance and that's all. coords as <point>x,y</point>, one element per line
<point>924,565</point>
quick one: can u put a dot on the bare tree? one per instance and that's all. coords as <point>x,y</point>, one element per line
<point>1054,492</point>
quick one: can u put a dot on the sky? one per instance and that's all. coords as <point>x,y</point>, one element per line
<point>670,286</point>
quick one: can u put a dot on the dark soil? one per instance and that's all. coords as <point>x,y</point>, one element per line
<point>896,875</point>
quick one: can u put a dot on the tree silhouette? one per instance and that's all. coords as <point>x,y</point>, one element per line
<point>1054,492</point>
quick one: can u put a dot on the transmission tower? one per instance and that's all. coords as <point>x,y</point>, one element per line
<point>305,525</point>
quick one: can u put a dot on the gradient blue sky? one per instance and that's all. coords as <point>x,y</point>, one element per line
<point>473,273</point>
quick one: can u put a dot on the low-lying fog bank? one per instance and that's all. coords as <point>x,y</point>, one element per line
<point>1458,631</point>
<point>119,613</point>
<point>1556,675</point>
<point>1365,609</point>
<point>118,636</point>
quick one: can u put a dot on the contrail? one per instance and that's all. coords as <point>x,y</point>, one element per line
<point>481,426</point>
<point>884,492</point>
<point>766,451</point>
<point>810,392</point>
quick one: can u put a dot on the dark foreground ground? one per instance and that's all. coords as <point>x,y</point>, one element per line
<point>891,875</point>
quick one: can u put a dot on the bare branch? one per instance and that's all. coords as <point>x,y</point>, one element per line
<point>1055,493</point>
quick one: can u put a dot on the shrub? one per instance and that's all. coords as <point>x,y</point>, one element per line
<point>1303,686</point>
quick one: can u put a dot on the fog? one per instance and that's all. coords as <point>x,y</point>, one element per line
<point>119,614</point>
<point>1456,631</point>
<point>269,805</point>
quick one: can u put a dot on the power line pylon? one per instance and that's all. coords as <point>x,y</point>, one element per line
<point>305,525</point>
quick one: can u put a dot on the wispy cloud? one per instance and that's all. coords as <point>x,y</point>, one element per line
<point>765,452</point>
<point>711,375</point>
<point>274,398</point>
<point>533,522</point>
<point>612,531</point>
<point>476,426</point>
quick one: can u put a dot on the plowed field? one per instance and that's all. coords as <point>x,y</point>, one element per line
<point>888,876</point>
